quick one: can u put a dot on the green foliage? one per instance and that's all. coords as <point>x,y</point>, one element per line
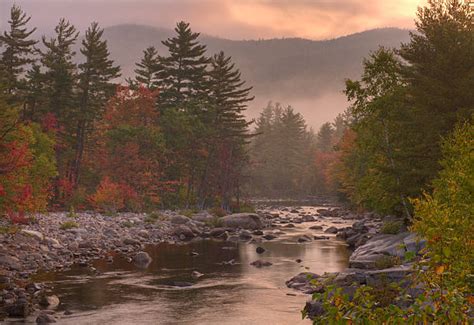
<point>17,54</point>
<point>68,225</point>
<point>446,217</point>
<point>391,227</point>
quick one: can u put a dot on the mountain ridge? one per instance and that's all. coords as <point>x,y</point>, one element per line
<point>308,74</point>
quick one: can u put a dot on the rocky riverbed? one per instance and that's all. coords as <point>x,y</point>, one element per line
<point>55,241</point>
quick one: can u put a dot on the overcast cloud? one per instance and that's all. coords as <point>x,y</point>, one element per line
<point>235,19</point>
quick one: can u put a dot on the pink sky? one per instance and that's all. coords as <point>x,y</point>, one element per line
<point>235,19</point>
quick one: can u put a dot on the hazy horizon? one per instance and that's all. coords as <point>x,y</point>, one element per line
<point>236,20</point>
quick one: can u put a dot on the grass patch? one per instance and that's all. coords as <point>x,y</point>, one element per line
<point>188,212</point>
<point>68,225</point>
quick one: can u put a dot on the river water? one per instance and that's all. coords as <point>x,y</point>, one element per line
<point>226,294</point>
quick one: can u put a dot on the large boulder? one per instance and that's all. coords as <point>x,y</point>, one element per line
<point>184,232</point>
<point>379,247</point>
<point>242,220</point>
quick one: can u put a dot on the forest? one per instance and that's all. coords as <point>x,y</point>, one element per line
<point>76,136</point>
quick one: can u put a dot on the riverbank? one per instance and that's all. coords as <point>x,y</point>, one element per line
<point>384,254</point>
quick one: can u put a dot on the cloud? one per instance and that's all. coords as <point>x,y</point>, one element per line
<point>236,19</point>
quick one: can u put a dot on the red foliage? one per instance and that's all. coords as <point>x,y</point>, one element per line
<point>113,197</point>
<point>49,123</point>
<point>17,218</point>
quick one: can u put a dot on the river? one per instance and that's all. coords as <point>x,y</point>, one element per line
<point>227,293</point>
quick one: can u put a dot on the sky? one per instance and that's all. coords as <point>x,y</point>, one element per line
<point>233,19</point>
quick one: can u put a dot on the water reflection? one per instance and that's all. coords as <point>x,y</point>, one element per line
<point>226,294</point>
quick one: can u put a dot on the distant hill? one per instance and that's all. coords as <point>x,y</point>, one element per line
<point>307,74</point>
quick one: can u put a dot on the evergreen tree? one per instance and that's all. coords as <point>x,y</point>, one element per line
<point>229,98</point>
<point>60,75</point>
<point>60,81</point>
<point>94,88</point>
<point>148,68</point>
<point>17,54</point>
<point>35,94</point>
<point>184,70</point>
<point>325,137</point>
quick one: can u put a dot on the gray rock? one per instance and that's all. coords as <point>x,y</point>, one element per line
<point>304,282</point>
<point>18,309</point>
<point>413,243</point>
<point>242,220</point>
<point>33,233</point>
<point>331,230</point>
<point>303,239</point>
<point>307,218</point>
<point>179,219</point>
<point>316,227</point>
<point>49,301</point>
<point>217,232</point>
<point>184,231</point>
<point>269,236</point>
<point>11,262</point>
<point>260,263</point>
<point>142,259</point>
<point>44,318</point>
<point>367,255</point>
<point>314,308</point>
<point>245,235</point>
<point>196,275</point>
<point>203,217</point>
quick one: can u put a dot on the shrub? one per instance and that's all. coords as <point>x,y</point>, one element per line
<point>392,227</point>
<point>68,225</point>
<point>214,222</point>
<point>71,213</point>
<point>218,212</point>
<point>153,217</point>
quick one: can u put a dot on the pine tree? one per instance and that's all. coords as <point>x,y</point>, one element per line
<point>325,137</point>
<point>17,54</point>
<point>148,68</point>
<point>60,75</point>
<point>229,100</point>
<point>94,87</point>
<point>184,70</point>
<point>35,95</point>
